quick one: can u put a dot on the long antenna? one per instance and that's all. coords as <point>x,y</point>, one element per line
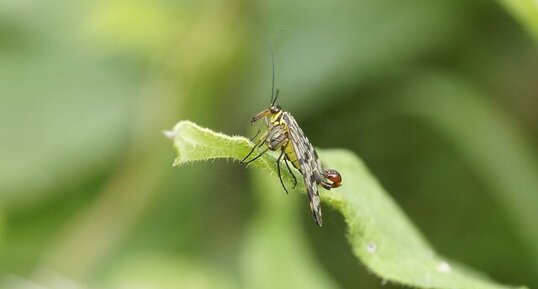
<point>273,98</point>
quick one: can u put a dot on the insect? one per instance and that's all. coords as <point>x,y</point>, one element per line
<point>283,133</point>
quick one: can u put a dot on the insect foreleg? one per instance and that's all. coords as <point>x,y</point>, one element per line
<point>272,143</point>
<point>258,156</point>
<point>257,133</point>
<point>260,124</point>
<point>259,144</point>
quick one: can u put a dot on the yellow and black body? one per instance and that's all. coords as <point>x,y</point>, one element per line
<point>284,133</point>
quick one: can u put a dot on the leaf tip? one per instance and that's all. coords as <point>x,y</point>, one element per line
<point>171,134</point>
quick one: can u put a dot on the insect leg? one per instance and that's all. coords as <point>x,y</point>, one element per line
<point>258,156</point>
<point>291,173</point>
<point>274,143</point>
<point>278,170</point>
<point>258,132</point>
<point>274,139</point>
<point>259,144</point>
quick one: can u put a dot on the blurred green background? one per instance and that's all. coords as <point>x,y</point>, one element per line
<point>440,99</point>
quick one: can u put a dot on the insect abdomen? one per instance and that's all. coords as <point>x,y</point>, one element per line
<point>291,156</point>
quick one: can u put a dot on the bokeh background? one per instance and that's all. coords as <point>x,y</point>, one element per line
<point>439,98</point>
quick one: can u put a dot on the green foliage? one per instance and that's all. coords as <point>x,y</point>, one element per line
<point>462,111</point>
<point>437,97</point>
<point>380,234</point>
<point>166,272</point>
<point>526,11</point>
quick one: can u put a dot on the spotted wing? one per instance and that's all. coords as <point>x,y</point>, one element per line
<point>309,163</point>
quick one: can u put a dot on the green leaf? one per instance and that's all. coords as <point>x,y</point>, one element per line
<point>526,11</point>
<point>380,234</point>
<point>468,120</point>
<point>275,250</point>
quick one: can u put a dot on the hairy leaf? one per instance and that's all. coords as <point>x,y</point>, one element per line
<point>380,234</point>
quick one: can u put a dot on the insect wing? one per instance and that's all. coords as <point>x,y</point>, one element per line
<point>310,167</point>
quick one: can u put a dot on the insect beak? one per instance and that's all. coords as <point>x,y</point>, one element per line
<point>260,115</point>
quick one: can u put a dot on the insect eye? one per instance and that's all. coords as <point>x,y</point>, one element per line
<point>275,108</point>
